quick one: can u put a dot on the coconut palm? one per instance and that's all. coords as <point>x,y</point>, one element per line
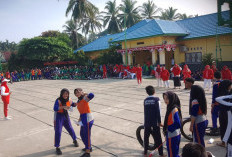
<point>130,13</point>
<point>91,23</point>
<point>71,29</point>
<point>169,14</point>
<point>184,16</point>
<point>80,9</point>
<point>150,10</point>
<point>111,17</point>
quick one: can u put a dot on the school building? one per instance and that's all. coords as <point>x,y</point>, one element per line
<point>168,42</point>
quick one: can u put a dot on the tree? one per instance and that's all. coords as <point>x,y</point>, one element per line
<point>111,17</point>
<point>184,16</point>
<point>92,22</point>
<point>71,30</point>
<point>8,46</point>
<point>111,56</point>
<point>149,10</point>
<point>207,59</point>
<point>80,57</point>
<point>80,9</point>
<point>44,49</point>
<point>169,14</point>
<point>130,13</point>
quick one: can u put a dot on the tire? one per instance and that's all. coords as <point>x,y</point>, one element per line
<point>188,137</point>
<point>139,138</point>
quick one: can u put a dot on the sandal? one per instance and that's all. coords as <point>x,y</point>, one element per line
<point>221,144</point>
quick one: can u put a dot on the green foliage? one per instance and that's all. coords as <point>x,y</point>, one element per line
<point>111,56</point>
<point>8,46</point>
<point>170,14</point>
<point>149,10</point>
<point>80,57</point>
<point>207,59</point>
<point>44,49</point>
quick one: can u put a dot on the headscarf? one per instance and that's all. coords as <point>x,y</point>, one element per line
<point>198,93</point>
<point>174,102</point>
<point>64,101</point>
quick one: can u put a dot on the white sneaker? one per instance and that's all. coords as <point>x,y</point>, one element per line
<point>7,118</point>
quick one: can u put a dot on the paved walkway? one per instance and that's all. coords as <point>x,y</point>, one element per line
<point>117,109</point>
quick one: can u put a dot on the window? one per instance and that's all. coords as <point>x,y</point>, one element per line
<point>140,43</point>
<point>193,58</point>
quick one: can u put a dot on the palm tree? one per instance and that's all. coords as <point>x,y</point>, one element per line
<point>92,22</point>
<point>111,17</point>
<point>169,14</point>
<point>71,29</point>
<point>130,13</point>
<point>184,16</point>
<point>81,9</point>
<point>149,10</point>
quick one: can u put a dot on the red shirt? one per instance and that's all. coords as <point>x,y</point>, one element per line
<point>139,71</point>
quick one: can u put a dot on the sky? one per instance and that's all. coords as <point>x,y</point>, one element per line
<point>29,18</point>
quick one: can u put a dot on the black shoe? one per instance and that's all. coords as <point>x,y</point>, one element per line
<point>85,155</point>
<point>58,151</point>
<point>75,143</point>
<point>85,149</point>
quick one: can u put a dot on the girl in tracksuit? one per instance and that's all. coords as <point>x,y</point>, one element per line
<point>198,113</point>
<point>86,119</point>
<point>172,123</point>
<point>226,101</point>
<point>223,90</point>
<point>61,118</point>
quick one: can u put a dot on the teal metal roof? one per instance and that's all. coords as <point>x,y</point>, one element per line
<point>203,26</point>
<point>101,43</point>
<point>148,28</point>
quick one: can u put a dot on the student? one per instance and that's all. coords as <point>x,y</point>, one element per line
<point>139,74</point>
<point>61,118</point>
<point>158,75</point>
<point>32,74</point>
<point>195,150</point>
<point>226,73</point>
<point>223,100</point>
<point>86,119</point>
<point>186,73</point>
<point>104,71</point>
<point>223,90</point>
<point>215,105</point>
<point>152,120</point>
<point>208,76</point>
<point>198,114</point>
<point>176,70</point>
<point>39,74</point>
<point>172,123</point>
<point>165,77</point>
<point>5,94</point>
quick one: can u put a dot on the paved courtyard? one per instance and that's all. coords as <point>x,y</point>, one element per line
<point>117,109</point>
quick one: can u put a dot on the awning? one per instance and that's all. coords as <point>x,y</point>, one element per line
<point>159,48</point>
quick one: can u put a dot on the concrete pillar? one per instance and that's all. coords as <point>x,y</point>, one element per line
<point>162,57</point>
<point>153,57</point>
<point>130,59</point>
<point>124,58</point>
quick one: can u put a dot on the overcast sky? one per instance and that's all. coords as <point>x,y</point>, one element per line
<point>29,18</point>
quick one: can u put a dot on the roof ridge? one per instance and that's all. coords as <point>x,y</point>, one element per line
<point>159,25</point>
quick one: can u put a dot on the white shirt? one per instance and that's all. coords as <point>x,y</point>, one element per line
<point>3,91</point>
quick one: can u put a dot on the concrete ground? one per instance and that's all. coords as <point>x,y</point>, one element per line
<point>117,109</point>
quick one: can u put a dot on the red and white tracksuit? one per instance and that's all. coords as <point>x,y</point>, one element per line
<point>5,94</point>
<point>139,74</point>
<point>207,75</point>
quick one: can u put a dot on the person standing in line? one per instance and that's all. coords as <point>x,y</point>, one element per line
<point>152,120</point>
<point>176,70</point>
<point>226,73</point>
<point>208,76</point>
<point>5,95</point>
<point>104,71</point>
<point>172,123</point>
<point>139,74</point>
<point>158,75</point>
<point>186,73</point>
<point>165,76</point>
<point>198,110</point>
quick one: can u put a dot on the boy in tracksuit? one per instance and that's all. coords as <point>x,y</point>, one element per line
<point>152,120</point>
<point>215,105</point>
